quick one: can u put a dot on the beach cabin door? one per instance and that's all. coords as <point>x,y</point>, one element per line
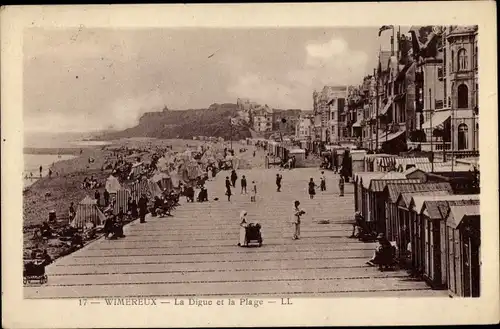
<point>427,248</point>
<point>451,260</point>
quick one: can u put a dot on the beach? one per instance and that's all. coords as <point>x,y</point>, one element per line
<point>56,193</point>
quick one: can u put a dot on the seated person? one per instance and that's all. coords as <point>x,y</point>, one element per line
<point>203,195</point>
<point>118,229</point>
<point>109,226</point>
<point>46,230</point>
<point>189,193</point>
<point>46,258</point>
<point>121,215</point>
<point>359,224</point>
<point>157,205</point>
<point>384,253</point>
<point>76,242</point>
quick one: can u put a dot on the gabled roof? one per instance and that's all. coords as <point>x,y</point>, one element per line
<point>457,214</point>
<point>395,189</point>
<point>378,185</point>
<point>405,199</point>
<point>366,179</point>
<point>438,209</point>
<point>417,201</point>
<point>358,175</point>
<point>411,170</point>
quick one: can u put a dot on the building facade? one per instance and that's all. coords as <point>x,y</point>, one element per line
<point>262,119</point>
<point>304,127</point>
<point>329,107</point>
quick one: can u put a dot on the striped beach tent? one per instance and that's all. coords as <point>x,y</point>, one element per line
<point>144,186</point>
<point>87,212</point>
<point>163,180</point>
<point>121,200</point>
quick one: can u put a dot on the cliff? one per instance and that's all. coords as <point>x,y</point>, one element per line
<point>185,124</point>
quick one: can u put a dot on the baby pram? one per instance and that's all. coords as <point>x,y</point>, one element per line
<point>34,270</point>
<point>252,234</point>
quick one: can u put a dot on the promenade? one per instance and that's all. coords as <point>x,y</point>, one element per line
<point>194,253</point>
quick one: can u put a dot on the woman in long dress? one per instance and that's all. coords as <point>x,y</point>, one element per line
<point>243,226</point>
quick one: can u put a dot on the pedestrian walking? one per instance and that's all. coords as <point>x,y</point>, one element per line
<point>243,184</point>
<point>40,171</point>
<point>323,181</point>
<point>50,173</point>
<point>228,189</point>
<point>312,188</point>
<point>254,153</point>
<point>253,198</point>
<point>143,208</point>
<point>278,182</point>
<point>341,185</point>
<point>234,177</point>
<point>297,213</point>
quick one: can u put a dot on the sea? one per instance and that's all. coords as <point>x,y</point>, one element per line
<point>40,141</point>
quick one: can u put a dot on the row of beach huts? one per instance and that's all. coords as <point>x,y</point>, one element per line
<point>430,210</point>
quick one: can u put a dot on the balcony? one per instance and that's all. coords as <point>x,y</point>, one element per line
<point>426,146</point>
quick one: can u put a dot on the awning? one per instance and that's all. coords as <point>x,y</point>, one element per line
<point>437,119</point>
<point>386,107</point>
<point>392,136</point>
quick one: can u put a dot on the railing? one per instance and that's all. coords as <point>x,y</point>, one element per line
<point>466,154</point>
<point>426,146</point>
<point>438,146</point>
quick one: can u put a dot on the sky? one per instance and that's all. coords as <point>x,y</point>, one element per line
<point>94,79</point>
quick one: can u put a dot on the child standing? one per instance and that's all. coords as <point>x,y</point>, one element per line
<point>253,198</point>
<point>323,181</point>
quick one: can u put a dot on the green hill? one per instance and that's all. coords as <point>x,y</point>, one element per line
<point>185,124</point>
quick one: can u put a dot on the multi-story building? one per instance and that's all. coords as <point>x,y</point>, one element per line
<point>304,126</point>
<point>448,90</point>
<point>354,120</point>
<point>262,119</point>
<point>245,109</point>
<point>337,124</point>
<point>462,87</point>
<point>325,103</point>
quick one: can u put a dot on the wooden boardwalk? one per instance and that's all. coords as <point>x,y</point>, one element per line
<point>194,253</point>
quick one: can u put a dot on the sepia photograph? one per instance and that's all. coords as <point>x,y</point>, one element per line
<point>257,165</point>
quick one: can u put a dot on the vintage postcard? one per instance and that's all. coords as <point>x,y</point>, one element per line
<point>249,165</point>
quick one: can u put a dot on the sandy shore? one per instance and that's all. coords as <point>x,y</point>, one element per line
<point>56,193</point>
